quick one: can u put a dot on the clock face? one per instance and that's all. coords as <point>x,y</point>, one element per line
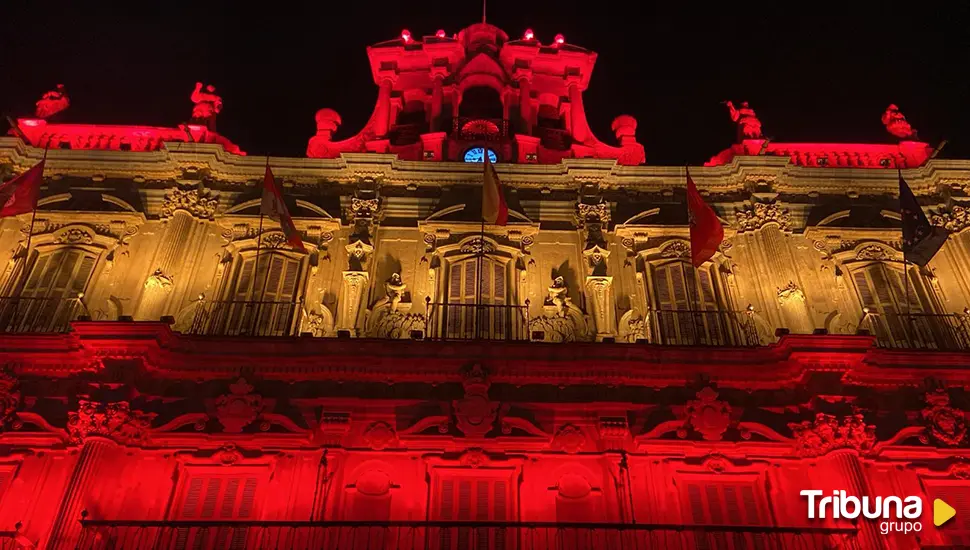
<point>477,154</point>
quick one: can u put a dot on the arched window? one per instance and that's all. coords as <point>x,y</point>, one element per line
<point>261,295</point>
<point>690,306</point>
<point>476,303</point>
<point>900,306</point>
<point>481,102</point>
<point>48,297</point>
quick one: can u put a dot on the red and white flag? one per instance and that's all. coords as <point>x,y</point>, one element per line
<point>494,209</point>
<point>274,208</point>
<point>19,195</point>
<point>706,231</point>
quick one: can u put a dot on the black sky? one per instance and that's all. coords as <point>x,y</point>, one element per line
<point>813,71</point>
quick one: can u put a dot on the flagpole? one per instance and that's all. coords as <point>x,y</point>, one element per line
<point>30,234</point>
<point>259,246</point>
<point>481,249</point>
<point>688,283</point>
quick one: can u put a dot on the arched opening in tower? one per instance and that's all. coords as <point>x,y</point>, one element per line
<point>481,102</point>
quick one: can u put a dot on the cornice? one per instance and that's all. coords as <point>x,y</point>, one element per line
<point>177,159</point>
<point>172,355</point>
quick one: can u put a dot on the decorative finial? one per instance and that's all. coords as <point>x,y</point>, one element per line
<point>52,103</point>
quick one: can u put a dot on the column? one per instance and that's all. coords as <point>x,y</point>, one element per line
<point>88,472</point>
<point>168,268</point>
<point>383,111</point>
<point>351,293</point>
<point>437,99</point>
<point>577,114</point>
<point>845,464</point>
<point>525,99</point>
<point>599,289</point>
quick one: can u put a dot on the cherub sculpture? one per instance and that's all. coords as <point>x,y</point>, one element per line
<point>558,295</point>
<point>749,127</point>
<point>896,124</point>
<point>394,287</point>
<point>207,106</point>
<point>52,103</point>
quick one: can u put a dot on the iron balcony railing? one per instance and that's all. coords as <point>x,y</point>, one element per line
<point>703,328</point>
<point>246,318</point>
<point>477,322</point>
<point>450,535</point>
<point>931,331</point>
<point>18,314</point>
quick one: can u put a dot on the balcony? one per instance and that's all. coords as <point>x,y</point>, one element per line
<point>703,328</point>
<point>24,315</point>
<point>412,535</point>
<point>252,318</point>
<point>926,331</point>
<point>478,322</point>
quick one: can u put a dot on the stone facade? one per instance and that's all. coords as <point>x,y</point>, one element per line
<point>163,347</point>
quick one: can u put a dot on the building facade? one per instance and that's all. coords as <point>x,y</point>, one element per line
<point>176,376</point>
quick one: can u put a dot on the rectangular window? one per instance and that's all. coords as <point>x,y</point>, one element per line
<point>476,304</point>
<point>733,503</point>
<point>883,290</point>
<point>263,297</point>
<point>206,496</point>
<point>49,296</point>
<point>688,310</point>
<point>473,498</point>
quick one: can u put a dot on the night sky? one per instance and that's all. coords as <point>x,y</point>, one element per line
<point>812,71</point>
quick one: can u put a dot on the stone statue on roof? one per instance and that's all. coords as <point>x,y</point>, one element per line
<point>52,103</point>
<point>749,127</point>
<point>207,106</point>
<point>896,123</point>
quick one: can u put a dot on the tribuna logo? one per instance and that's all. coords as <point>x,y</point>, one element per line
<point>839,505</point>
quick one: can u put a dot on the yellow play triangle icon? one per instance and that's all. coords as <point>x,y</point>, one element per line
<point>942,512</point>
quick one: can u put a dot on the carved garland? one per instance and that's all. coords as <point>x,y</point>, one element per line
<point>828,433</point>
<point>760,214</point>
<point>192,201</point>
<point>116,421</point>
<point>954,221</point>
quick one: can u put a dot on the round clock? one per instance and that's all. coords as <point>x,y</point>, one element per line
<point>477,154</point>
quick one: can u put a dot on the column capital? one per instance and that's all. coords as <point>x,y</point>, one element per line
<point>522,73</point>
<point>387,75</point>
<point>439,73</point>
<point>573,80</point>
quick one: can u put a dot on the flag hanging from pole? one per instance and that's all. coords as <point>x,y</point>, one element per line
<point>274,208</point>
<point>706,231</point>
<point>19,195</point>
<point>921,241</point>
<point>494,209</point>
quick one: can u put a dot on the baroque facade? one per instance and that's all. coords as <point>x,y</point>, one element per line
<point>168,358</point>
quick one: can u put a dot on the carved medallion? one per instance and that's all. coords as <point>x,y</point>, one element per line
<point>75,235</point>
<point>594,213</point>
<point>676,249</point>
<point>944,424</point>
<point>239,408</point>
<point>475,414</point>
<point>707,415</point>
<point>569,439</point>
<point>379,436</point>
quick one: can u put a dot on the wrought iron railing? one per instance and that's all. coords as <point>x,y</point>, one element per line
<point>477,322</point>
<point>703,328</point>
<point>18,314</point>
<point>451,535</point>
<point>249,318</point>
<point>929,331</point>
<point>15,540</point>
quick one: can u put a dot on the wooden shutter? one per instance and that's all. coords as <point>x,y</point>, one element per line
<point>672,297</point>
<point>237,312</point>
<point>220,497</point>
<point>957,495</point>
<point>720,503</point>
<point>468,498</point>
<point>876,292</point>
